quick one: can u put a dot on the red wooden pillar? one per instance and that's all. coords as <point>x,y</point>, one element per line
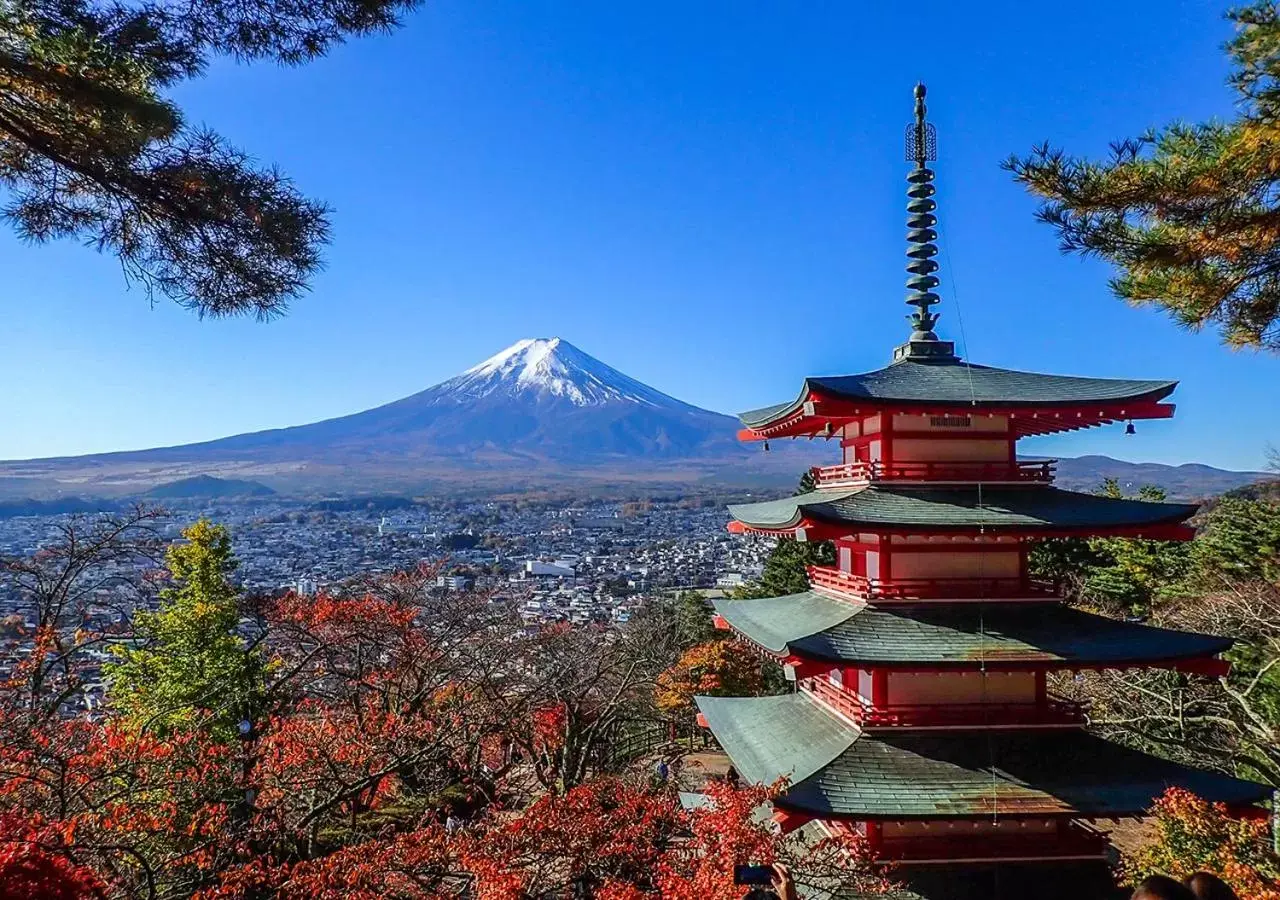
<point>886,440</point>
<point>875,836</point>
<point>1042,689</point>
<point>880,688</point>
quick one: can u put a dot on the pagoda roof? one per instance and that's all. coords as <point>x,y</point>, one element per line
<point>951,381</point>
<point>1018,509</point>
<point>813,626</point>
<point>837,771</point>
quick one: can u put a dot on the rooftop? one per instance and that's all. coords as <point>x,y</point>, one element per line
<point>1020,509</point>
<point>835,770</point>
<point>817,627</point>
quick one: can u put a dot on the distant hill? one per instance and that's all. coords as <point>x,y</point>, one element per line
<point>208,486</point>
<point>1190,481</point>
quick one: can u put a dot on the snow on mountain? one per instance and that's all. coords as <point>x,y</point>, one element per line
<point>552,367</point>
<point>539,400</point>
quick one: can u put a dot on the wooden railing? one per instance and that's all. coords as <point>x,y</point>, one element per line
<point>860,586</point>
<point>856,473</point>
<point>1053,712</point>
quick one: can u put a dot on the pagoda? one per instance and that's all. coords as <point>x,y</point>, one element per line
<point>921,717</point>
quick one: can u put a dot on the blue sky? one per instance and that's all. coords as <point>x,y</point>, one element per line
<point>708,196</point>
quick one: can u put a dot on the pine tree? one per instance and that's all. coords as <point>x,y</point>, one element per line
<point>90,148</point>
<point>1239,541</point>
<point>189,665</point>
<point>1190,213</point>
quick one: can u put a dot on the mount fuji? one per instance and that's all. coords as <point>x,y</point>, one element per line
<point>540,409</point>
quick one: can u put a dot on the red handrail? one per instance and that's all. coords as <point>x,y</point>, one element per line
<point>925,588</point>
<point>853,473</point>
<point>1054,711</point>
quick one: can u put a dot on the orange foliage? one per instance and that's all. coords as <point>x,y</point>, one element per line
<point>721,668</point>
<point>1193,835</point>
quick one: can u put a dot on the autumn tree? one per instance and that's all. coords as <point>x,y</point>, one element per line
<point>1190,835</point>
<point>189,657</point>
<point>577,690</point>
<point>723,668</point>
<point>93,568</point>
<point>607,839</point>
<point>1187,213</point>
<point>91,147</point>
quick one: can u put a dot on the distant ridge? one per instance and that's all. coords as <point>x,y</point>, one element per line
<point>208,486</point>
<point>1189,481</point>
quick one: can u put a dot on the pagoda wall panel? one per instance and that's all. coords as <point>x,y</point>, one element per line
<point>935,688</point>
<point>960,564</point>
<point>863,682</point>
<point>909,450</point>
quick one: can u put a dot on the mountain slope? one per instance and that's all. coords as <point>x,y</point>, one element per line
<point>540,398</point>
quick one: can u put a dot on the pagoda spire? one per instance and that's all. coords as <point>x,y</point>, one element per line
<point>922,147</point>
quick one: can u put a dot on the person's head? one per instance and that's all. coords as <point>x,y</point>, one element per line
<point>1207,886</point>
<point>1160,887</point>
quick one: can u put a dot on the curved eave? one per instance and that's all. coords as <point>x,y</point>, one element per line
<point>1031,511</point>
<point>819,406</point>
<point>812,628</point>
<point>837,771</point>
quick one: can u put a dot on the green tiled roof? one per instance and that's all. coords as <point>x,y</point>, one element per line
<point>817,627</point>
<point>959,507</point>
<point>954,381</point>
<point>774,737</point>
<point>775,622</point>
<point>946,774</point>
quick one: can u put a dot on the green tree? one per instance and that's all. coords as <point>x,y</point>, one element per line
<point>189,665</point>
<point>1239,540</point>
<point>90,148</point>
<point>785,571</point>
<point>1122,575</point>
<point>1189,213</point>
<point>692,620</point>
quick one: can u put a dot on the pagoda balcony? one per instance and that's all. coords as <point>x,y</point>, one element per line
<point>956,843</point>
<point>854,474</point>
<point>1053,712</point>
<point>860,587</point>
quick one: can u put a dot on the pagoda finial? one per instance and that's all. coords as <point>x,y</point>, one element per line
<point>922,147</point>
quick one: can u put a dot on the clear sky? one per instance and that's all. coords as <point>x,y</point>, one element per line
<point>708,196</point>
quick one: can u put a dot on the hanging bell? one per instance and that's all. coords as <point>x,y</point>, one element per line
<point>1129,429</point>
<point>766,446</point>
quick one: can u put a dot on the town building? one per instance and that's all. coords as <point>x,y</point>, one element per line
<point>922,717</point>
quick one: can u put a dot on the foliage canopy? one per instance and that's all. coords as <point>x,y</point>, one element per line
<point>1189,213</point>
<point>91,148</point>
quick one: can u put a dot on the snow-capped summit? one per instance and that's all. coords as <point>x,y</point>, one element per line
<point>552,367</point>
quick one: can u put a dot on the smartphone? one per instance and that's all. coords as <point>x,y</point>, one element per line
<point>753,874</point>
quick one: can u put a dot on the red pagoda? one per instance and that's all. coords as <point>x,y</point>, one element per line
<point>921,716</point>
